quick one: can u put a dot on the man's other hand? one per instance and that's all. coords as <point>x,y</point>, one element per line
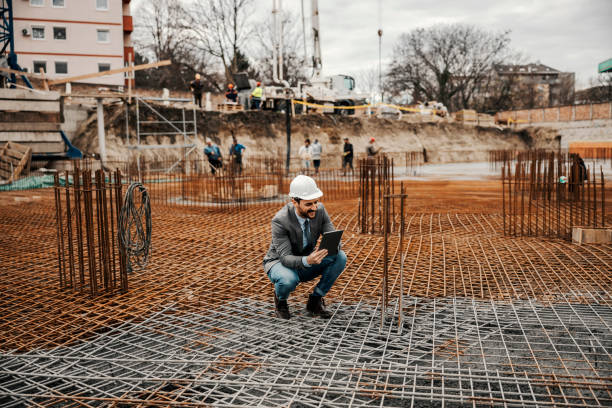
<point>316,257</point>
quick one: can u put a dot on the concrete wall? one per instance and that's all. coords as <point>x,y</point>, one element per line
<point>592,122</point>
<point>80,49</point>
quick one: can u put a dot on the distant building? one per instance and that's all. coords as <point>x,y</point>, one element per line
<point>73,37</point>
<point>538,85</point>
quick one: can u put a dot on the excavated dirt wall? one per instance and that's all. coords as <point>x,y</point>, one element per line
<point>264,133</point>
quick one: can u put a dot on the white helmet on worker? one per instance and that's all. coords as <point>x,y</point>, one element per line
<point>304,188</point>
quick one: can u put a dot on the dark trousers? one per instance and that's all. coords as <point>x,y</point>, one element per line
<point>214,165</point>
<point>255,102</point>
<point>198,99</point>
<point>237,164</point>
<point>347,161</point>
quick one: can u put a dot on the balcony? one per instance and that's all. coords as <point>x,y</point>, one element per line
<point>128,24</point>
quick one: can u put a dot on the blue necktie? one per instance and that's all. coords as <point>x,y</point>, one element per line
<point>305,233</point>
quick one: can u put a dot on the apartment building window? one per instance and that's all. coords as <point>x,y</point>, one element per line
<point>59,3</point>
<point>101,4</point>
<point>37,3</point>
<point>38,32</point>
<point>59,33</point>
<point>38,65</point>
<point>61,67</point>
<point>103,67</point>
<point>103,36</point>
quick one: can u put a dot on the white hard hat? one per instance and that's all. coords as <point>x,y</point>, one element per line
<point>304,187</point>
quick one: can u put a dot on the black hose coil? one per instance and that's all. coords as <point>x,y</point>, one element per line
<point>135,227</point>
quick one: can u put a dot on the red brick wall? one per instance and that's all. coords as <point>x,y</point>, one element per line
<point>522,115</point>
<point>551,114</point>
<point>583,112</point>
<point>561,114</point>
<point>537,115</point>
<point>565,113</point>
<point>601,111</point>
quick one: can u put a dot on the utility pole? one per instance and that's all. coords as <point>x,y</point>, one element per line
<point>380,33</point>
<point>101,135</point>
<point>288,103</point>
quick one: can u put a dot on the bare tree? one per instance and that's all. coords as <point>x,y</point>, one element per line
<point>366,82</point>
<point>599,91</point>
<point>159,35</point>
<point>221,29</point>
<point>447,63</point>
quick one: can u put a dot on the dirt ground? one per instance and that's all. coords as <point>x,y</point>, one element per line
<point>264,134</point>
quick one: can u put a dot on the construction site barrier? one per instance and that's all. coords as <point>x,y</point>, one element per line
<point>566,113</point>
<point>370,105</point>
<point>548,193</point>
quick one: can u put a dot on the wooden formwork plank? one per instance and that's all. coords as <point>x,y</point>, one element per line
<point>25,94</point>
<point>53,117</point>
<point>17,155</point>
<point>18,105</point>
<point>13,154</point>
<point>29,127</point>
<point>30,137</point>
<point>18,147</point>
<point>5,165</point>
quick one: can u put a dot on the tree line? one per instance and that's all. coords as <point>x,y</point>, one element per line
<point>459,65</point>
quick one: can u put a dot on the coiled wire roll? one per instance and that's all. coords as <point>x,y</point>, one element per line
<point>134,229</point>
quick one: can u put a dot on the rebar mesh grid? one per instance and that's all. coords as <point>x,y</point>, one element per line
<point>487,319</point>
<point>451,350</point>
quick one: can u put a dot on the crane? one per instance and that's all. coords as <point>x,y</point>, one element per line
<point>333,91</point>
<point>7,45</point>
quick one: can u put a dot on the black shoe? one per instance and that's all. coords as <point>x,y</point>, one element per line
<point>316,306</point>
<point>282,309</point>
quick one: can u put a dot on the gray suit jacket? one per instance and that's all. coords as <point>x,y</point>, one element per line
<point>287,241</point>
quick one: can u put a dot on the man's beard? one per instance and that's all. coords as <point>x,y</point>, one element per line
<point>307,213</point>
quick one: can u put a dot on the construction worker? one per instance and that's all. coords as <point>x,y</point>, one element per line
<point>256,96</point>
<point>235,153</point>
<point>231,94</point>
<point>305,154</point>
<point>213,153</point>
<point>315,151</point>
<point>347,156</point>
<point>371,149</point>
<point>196,87</point>
<point>292,257</point>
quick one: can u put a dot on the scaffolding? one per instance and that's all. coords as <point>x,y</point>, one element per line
<point>160,125</point>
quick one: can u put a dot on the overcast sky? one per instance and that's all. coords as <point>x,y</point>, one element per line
<point>568,35</point>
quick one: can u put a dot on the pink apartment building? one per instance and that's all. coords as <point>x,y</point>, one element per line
<point>73,37</point>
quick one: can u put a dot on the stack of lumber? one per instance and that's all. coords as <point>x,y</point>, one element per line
<point>32,119</point>
<point>486,120</point>
<point>601,150</point>
<point>466,116</point>
<point>229,107</point>
<point>14,160</point>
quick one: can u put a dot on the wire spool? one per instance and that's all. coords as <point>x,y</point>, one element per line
<point>135,226</point>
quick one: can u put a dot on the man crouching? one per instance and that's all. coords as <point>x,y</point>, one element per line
<point>292,259</point>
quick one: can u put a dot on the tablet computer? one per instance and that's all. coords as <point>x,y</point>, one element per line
<point>331,241</point>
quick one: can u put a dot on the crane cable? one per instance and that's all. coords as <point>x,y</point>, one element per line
<point>134,227</point>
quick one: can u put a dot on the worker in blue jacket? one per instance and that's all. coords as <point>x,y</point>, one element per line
<point>235,153</point>
<point>213,154</point>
